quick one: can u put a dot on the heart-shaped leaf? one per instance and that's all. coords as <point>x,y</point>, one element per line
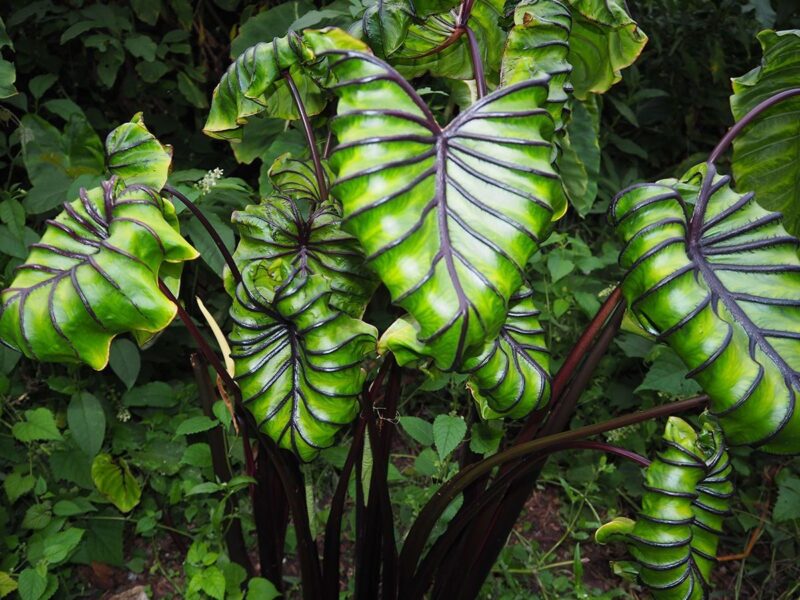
<point>448,217</point>
<point>298,361</point>
<point>113,478</point>
<point>93,275</point>
<point>723,290</point>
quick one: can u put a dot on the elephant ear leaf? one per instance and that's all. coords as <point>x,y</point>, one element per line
<point>723,290</point>
<point>766,154</point>
<point>281,240</point>
<point>687,492</point>
<point>510,377</point>
<point>539,42</point>
<point>416,196</point>
<point>437,46</point>
<point>135,155</point>
<point>94,274</point>
<point>256,84</point>
<point>297,361</point>
<point>604,40</point>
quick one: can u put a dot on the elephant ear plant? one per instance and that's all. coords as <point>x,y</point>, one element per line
<point>444,209</point>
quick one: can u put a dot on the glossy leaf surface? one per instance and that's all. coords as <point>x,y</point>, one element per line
<point>298,362</point>
<point>279,241</point>
<point>94,275</point>
<point>675,538</point>
<point>510,377</point>
<point>448,217</point>
<point>723,290</point>
<point>255,83</point>
<point>604,40</point>
<point>539,42</point>
<point>766,155</point>
<point>135,155</point>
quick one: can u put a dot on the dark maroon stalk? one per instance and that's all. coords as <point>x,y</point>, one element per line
<point>378,547</point>
<point>310,139</point>
<point>477,62</point>
<point>333,527</point>
<point>226,255</point>
<point>289,478</point>
<point>420,531</point>
<point>487,537</point>
<point>584,343</point>
<point>427,568</point>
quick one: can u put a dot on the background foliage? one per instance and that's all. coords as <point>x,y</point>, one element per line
<point>70,438</point>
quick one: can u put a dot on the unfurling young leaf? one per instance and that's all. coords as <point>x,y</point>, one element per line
<point>687,496</point>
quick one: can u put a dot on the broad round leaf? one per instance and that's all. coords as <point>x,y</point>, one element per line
<point>298,362</point>
<point>93,275</point>
<point>448,217</point>
<point>723,290</point>
<point>766,155</point>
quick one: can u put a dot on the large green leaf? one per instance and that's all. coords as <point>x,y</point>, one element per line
<point>687,492</point>
<point>448,217</point>
<point>255,84</point>
<point>94,275</point>
<point>417,55</point>
<point>510,377</point>
<point>604,40</point>
<point>136,156</point>
<point>539,43</point>
<point>766,155</point>
<point>723,290</point>
<point>298,361</point>
<point>280,242</point>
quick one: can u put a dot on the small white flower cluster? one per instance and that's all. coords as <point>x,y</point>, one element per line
<point>617,435</point>
<point>209,180</point>
<point>123,414</point>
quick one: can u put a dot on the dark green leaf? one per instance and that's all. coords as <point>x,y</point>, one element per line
<point>448,432</point>
<point>87,422</point>
<point>766,155</point>
<point>125,361</point>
